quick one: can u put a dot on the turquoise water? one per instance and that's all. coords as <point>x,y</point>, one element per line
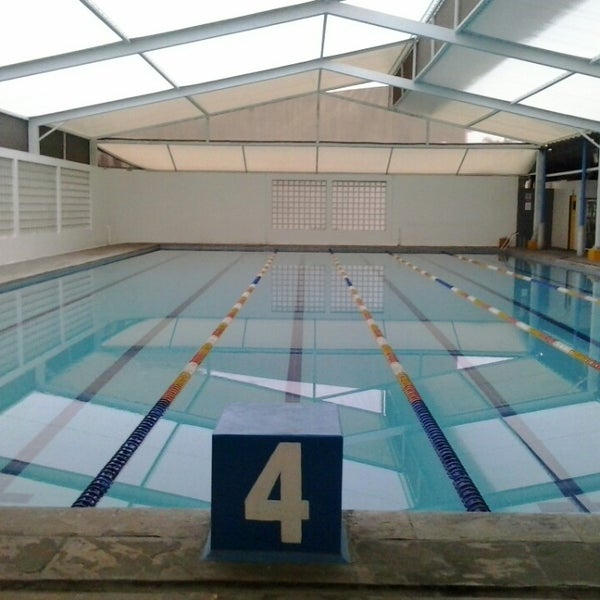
<point>85,356</point>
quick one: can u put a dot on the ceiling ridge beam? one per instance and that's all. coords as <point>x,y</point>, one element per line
<point>483,43</point>
<point>532,112</point>
<point>166,39</point>
<point>578,123</point>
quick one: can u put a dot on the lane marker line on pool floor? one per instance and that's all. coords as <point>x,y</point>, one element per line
<point>102,482</point>
<point>467,491</point>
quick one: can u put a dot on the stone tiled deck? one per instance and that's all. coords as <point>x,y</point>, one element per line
<point>139,553</point>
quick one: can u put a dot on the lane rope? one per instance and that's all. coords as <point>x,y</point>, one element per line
<point>105,478</point>
<point>536,333</point>
<point>468,493</point>
<point>559,288</point>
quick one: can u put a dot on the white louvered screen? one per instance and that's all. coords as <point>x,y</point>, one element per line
<point>37,197</point>
<point>76,207</point>
<point>7,217</point>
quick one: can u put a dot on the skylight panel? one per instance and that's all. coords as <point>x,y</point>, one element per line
<point>79,86</point>
<point>490,75</point>
<point>576,95</point>
<point>346,35</point>
<point>241,53</point>
<point>32,29</point>
<point>567,27</point>
<point>415,9</point>
<point>511,79</point>
<point>137,18</point>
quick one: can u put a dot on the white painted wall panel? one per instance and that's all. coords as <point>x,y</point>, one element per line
<point>235,208</point>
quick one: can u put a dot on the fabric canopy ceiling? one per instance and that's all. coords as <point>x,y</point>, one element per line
<point>324,86</point>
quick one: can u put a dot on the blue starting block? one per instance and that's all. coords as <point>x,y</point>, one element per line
<point>277,484</point>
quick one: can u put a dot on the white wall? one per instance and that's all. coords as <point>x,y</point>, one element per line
<point>235,208</point>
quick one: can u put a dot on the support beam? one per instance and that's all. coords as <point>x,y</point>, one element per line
<point>166,39</point>
<point>482,43</point>
<point>573,64</point>
<point>466,97</point>
<point>578,123</point>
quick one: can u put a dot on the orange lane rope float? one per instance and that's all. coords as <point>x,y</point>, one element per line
<point>536,333</point>
<point>559,288</point>
<point>102,482</point>
<point>469,494</point>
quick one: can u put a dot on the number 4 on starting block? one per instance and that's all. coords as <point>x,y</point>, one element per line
<point>276,484</point>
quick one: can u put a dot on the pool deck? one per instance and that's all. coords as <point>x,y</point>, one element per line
<point>139,554</point>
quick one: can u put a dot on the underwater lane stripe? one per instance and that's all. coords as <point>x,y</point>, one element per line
<point>49,432</point>
<point>294,374</point>
<point>467,491</point>
<point>49,311</point>
<point>101,380</point>
<point>559,288</point>
<point>102,482</point>
<point>536,333</point>
<point>567,486</point>
<point>547,318</point>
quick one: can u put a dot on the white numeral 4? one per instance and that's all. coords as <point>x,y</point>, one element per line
<point>284,464</point>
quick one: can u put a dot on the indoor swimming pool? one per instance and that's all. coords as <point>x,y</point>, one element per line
<point>504,353</point>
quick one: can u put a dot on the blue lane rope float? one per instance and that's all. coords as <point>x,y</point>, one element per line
<point>559,288</point>
<point>536,333</point>
<point>468,493</point>
<point>105,478</point>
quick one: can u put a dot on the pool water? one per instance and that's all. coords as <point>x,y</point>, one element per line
<point>85,356</point>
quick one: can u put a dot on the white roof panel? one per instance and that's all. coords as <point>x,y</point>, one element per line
<point>238,53</point>
<point>547,24</point>
<point>257,93</point>
<point>440,161</point>
<point>442,109</point>
<point>197,75</point>
<point>84,85</point>
<point>154,157</point>
<point>489,75</point>
<point>497,161</point>
<point>131,119</point>
<point>288,159</point>
<point>207,158</point>
<point>32,29</point>
<point>576,95</point>
<point>522,128</point>
<point>353,160</point>
<point>137,18</point>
